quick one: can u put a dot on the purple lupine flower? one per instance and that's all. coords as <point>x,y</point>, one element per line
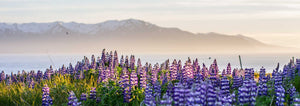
<point>93,64</point>
<point>103,57</point>
<point>105,75</point>
<point>203,93</point>
<point>81,75</point>
<point>224,73</point>
<point>196,67</point>
<point>139,67</point>
<point>154,73</point>
<point>278,80</point>
<point>98,100</point>
<point>124,78</point>
<point>132,62</point>
<point>211,96</point>
<point>149,98</point>
<point>170,89</point>
<point>213,80</point>
<point>73,100</point>
<point>280,95</point>
<point>116,60</point>
<point>204,71</point>
<point>233,98</point>
<point>198,78</point>
<point>182,92</point>
<point>179,70</point>
<point>107,56</point>
<point>225,86</point>
<point>83,97</point>
<point>126,64</point>
<point>2,76</point>
<point>189,97</point>
<point>112,71</point>
<point>243,94</point>
<point>248,73</point>
<point>226,101</point>
<point>164,78</point>
<point>228,69</point>
<point>253,91</point>
<point>177,96</point>
<point>236,82</point>
<point>173,70</point>
<point>262,88</point>
<point>166,100</point>
<point>143,79</point>
<point>39,76</point>
<point>31,84</point>
<point>71,69</point>
<point>125,84</point>
<point>188,72</point>
<point>110,59</point>
<point>46,99</point>
<point>93,93</point>
<point>133,78</point>
<point>293,93</point>
<point>157,91</point>
<point>100,71</point>
<point>122,61</point>
<point>296,101</point>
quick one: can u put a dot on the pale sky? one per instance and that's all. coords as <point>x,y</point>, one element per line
<point>270,21</point>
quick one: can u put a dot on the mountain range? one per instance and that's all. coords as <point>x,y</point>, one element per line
<point>129,35</point>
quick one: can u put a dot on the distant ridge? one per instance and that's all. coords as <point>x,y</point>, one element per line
<point>130,35</point>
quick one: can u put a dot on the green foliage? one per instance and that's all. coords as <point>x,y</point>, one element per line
<point>296,83</point>
<point>263,101</point>
<point>60,86</point>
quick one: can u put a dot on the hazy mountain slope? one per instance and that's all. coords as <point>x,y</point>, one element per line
<point>126,35</point>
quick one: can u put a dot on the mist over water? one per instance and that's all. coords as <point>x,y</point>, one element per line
<point>18,62</point>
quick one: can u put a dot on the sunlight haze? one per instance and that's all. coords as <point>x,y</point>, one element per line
<point>270,21</point>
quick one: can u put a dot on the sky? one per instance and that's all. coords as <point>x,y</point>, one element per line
<point>271,21</point>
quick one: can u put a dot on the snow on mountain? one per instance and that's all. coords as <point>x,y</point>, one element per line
<point>82,28</point>
<point>53,27</point>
